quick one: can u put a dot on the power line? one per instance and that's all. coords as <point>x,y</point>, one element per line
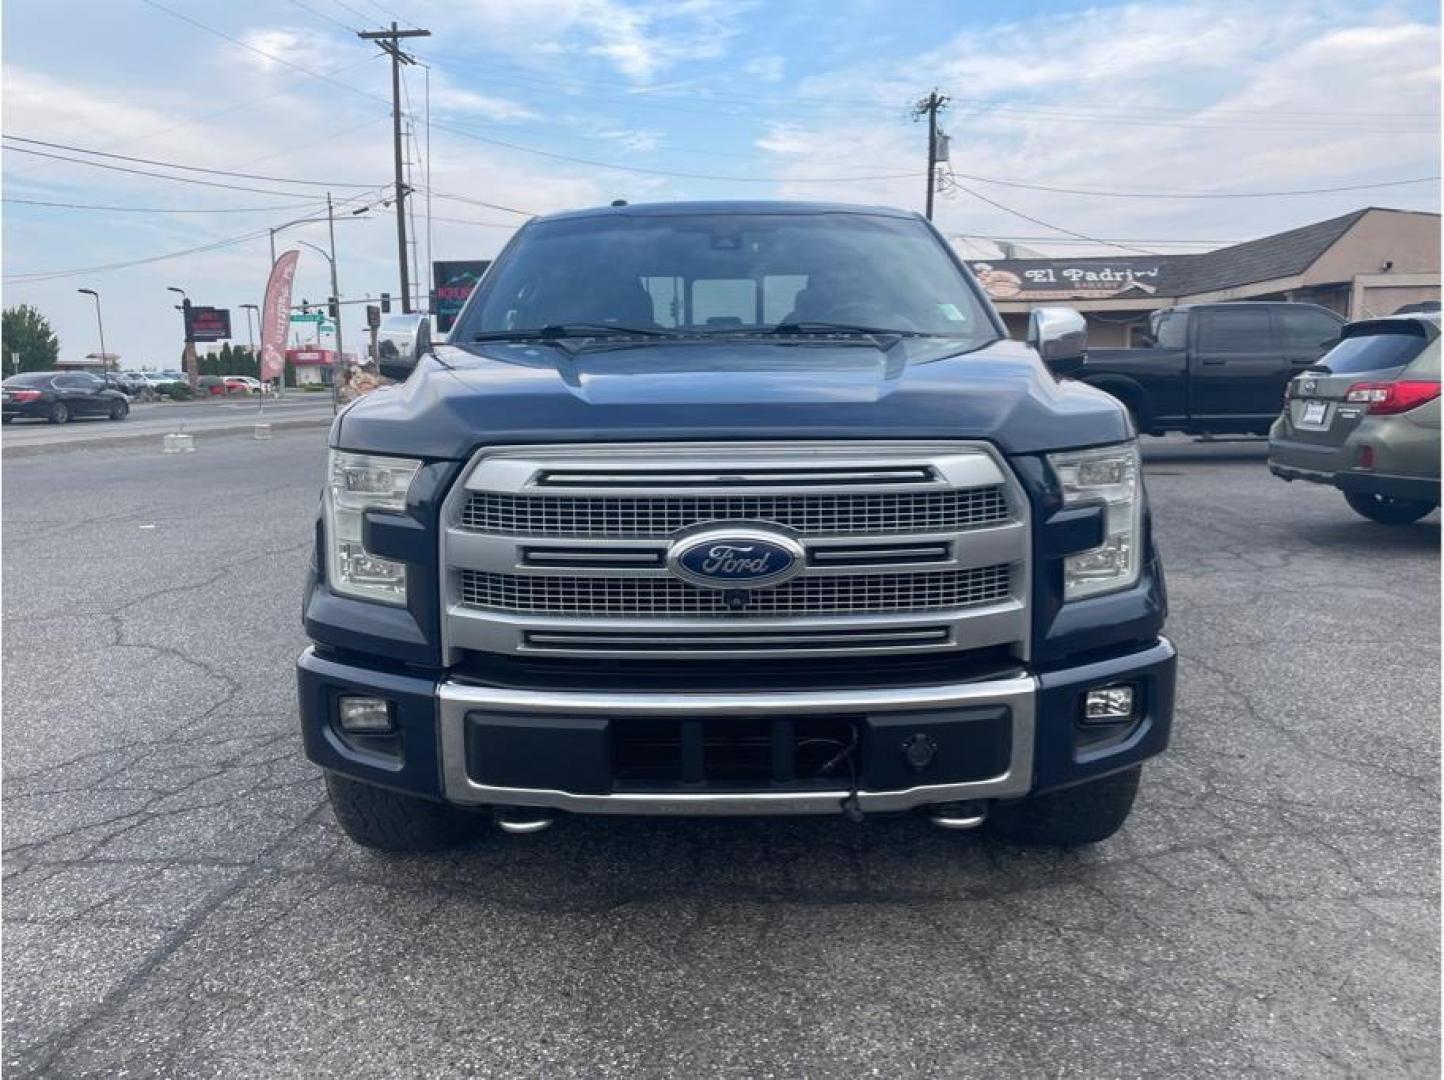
<point>163,209</point>
<point>156,175</point>
<point>51,275</point>
<point>189,168</point>
<point>1039,221</point>
<point>666,172</point>
<point>322,15</point>
<point>1136,194</point>
<point>262,52</point>
<point>479,202</point>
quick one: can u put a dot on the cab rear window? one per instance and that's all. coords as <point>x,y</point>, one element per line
<point>1375,348</point>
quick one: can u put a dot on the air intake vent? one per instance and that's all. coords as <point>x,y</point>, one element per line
<point>809,515</point>
<point>659,596</point>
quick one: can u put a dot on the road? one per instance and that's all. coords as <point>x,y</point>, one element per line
<point>151,421</point>
<point>179,902</point>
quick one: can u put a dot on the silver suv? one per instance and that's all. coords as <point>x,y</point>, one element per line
<point>1365,419</point>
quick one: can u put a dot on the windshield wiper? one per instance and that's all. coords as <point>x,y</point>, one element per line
<point>810,326</point>
<point>556,331</point>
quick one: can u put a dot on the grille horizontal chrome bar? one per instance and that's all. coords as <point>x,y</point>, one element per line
<point>809,515</point>
<point>752,477</point>
<point>641,597</point>
<point>681,640</point>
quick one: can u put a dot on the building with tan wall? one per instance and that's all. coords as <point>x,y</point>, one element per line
<point>1370,262</point>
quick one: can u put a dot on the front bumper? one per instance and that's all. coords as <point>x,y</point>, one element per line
<point>1001,738</point>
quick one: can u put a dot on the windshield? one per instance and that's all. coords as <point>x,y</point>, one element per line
<point>727,273</point>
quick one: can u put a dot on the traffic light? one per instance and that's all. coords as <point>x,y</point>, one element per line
<point>386,303</point>
<point>333,308</point>
<point>305,306</point>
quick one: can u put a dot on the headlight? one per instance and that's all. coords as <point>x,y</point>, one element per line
<point>357,483</point>
<point>1109,477</point>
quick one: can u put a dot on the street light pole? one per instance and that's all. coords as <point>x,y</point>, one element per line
<point>251,341</point>
<point>188,357</point>
<point>99,325</point>
<point>337,365</point>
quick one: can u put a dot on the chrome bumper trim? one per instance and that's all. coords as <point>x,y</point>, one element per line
<point>455,700</point>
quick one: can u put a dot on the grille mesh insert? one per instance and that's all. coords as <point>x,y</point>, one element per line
<point>640,597</point>
<point>660,516</point>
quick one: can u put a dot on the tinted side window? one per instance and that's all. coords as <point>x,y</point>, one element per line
<point>1234,330</point>
<point>1374,349</point>
<point>1171,330</point>
<point>71,382</point>
<point>1306,330</point>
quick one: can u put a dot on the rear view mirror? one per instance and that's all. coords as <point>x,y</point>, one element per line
<point>401,342</point>
<point>1060,337</point>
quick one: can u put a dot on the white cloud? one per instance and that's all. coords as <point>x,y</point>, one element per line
<point>639,39</point>
<point>1184,98</point>
<point>496,108</point>
<point>768,69</point>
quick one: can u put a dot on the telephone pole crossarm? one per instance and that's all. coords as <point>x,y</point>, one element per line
<point>390,43</point>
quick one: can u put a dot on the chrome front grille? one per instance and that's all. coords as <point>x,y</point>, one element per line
<point>564,550</point>
<point>651,597</point>
<point>847,514</point>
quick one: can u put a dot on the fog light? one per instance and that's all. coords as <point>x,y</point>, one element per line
<point>365,715</point>
<point>1108,705</point>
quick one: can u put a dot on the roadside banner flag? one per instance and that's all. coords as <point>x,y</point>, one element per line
<point>276,316</point>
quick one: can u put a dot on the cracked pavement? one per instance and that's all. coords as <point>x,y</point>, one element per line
<point>178,901</point>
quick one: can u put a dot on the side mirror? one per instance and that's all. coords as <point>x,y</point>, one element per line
<point>401,342</point>
<point>1060,337</point>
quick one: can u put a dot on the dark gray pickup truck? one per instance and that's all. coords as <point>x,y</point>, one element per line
<point>1214,368</point>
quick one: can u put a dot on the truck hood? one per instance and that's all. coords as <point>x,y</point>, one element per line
<point>462,398</point>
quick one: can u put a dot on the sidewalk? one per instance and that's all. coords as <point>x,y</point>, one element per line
<point>151,422</point>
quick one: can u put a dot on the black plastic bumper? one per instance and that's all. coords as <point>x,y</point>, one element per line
<point>588,752</point>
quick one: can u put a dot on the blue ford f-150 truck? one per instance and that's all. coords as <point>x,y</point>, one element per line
<point>733,508</point>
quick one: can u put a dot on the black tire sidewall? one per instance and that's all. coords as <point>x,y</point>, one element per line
<point>59,413</point>
<point>1387,511</point>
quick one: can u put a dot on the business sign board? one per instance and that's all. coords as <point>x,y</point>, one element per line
<point>454,281</point>
<point>1079,279</point>
<point>208,323</point>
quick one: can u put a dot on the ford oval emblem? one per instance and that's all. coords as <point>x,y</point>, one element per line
<point>736,558</point>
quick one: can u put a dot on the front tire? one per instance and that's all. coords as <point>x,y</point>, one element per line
<point>59,413</point>
<point>386,820</point>
<point>1084,814</point>
<point>1387,511</point>
<point>119,411</point>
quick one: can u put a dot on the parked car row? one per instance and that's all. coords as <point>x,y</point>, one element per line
<point>1360,399</point>
<point>58,396</point>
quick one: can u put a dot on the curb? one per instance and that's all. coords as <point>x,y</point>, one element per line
<point>120,439</point>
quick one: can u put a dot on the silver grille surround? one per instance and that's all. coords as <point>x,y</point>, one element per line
<point>963,578</point>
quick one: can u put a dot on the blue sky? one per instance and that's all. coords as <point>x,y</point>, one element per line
<point>700,99</point>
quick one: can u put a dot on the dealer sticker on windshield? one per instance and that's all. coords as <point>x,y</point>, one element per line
<point>951,313</point>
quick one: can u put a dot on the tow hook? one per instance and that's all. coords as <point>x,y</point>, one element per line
<point>958,815</point>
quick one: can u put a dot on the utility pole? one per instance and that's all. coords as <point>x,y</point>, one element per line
<point>390,43</point>
<point>930,106</point>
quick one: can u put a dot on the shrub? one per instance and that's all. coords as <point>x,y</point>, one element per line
<point>177,391</point>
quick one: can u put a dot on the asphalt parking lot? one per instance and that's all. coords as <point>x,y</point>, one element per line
<point>177,900</point>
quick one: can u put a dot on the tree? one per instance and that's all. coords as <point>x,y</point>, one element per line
<point>26,338</point>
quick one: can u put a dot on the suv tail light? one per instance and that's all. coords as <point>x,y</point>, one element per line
<point>1388,398</point>
<point>24,395</point>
